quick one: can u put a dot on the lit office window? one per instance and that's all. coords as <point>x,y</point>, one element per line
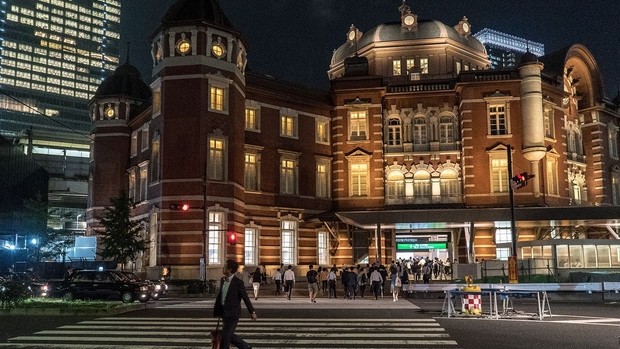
<point>288,231</point>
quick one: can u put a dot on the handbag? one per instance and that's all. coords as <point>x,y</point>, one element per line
<point>216,336</point>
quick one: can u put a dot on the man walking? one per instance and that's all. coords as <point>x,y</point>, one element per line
<point>228,306</point>
<point>376,280</point>
<point>289,281</point>
<point>313,287</point>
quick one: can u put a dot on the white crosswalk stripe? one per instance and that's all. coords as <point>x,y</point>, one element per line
<point>304,303</point>
<point>178,333</point>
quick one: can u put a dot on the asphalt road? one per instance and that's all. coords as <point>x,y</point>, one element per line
<point>329,323</point>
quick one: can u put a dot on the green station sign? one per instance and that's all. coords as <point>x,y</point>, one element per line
<point>423,246</point>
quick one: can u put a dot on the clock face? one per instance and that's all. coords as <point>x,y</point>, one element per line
<point>351,35</point>
<point>466,27</point>
<point>218,50</point>
<point>409,20</point>
<point>184,46</point>
<point>109,112</point>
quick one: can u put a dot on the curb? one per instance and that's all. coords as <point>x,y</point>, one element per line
<point>72,312</point>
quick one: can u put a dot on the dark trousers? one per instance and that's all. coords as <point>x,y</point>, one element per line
<point>351,291</point>
<point>278,286</point>
<point>332,288</point>
<point>376,288</point>
<point>362,289</point>
<point>289,288</point>
<point>228,334</point>
<point>324,286</point>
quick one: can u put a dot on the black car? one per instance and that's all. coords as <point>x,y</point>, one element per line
<point>99,284</point>
<point>33,286</point>
<point>156,288</point>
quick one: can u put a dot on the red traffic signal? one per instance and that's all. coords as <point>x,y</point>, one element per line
<point>520,180</point>
<point>178,206</point>
<point>231,237</point>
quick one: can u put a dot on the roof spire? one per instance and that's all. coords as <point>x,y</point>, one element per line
<point>404,8</point>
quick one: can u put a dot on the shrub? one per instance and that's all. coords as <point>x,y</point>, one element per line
<point>12,294</point>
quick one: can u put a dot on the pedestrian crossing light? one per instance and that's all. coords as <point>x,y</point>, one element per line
<point>178,206</point>
<point>231,237</point>
<point>520,180</point>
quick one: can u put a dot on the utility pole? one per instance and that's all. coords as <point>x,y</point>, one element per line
<point>513,276</point>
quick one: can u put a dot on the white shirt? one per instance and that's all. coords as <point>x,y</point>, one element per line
<point>289,275</point>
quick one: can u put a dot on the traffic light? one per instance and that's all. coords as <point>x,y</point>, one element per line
<point>231,237</point>
<point>179,206</point>
<point>520,180</point>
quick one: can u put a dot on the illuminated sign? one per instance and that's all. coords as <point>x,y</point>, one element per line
<point>423,246</point>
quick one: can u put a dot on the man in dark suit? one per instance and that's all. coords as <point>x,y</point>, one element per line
<point>228,306</point>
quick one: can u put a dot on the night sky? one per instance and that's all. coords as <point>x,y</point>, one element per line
<point>294,39</point>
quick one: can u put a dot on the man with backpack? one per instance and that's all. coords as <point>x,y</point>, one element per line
<point>313,287</point>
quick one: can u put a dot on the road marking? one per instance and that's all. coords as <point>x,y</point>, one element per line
<point>151,333</point>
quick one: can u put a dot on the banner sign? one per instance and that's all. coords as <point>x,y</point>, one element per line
<point>423,246</point>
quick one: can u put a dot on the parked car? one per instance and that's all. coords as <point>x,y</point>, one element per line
<point>34,286</point>
<point>99,284</point>
<point>156,288</point>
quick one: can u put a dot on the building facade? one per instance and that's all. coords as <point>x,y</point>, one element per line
<point>506,50</point>
<point>411,144</point>
<point>55,53</point>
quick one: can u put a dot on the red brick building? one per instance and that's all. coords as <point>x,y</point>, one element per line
<point>410,144</point>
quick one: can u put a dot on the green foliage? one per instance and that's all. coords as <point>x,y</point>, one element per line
<point>12,294</point>
<point>122,239</point>
<point>52,243</point>
<point>62,304</point>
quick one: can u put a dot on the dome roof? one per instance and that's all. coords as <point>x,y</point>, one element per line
<point>393,31</point>
<point>125,81</point>
<point>197,10</point>
<point>528,57</point>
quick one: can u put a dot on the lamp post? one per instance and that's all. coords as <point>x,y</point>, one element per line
<point>513,277</point>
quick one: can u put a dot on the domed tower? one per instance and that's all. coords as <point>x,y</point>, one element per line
<point>532,114</point>
<point>120,97</point>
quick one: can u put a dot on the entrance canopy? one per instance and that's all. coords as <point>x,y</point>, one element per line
<point>461,217</point>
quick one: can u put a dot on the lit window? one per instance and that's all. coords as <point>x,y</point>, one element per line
<point>552,176</point>
<point>132,185</point>
<point>216,162</point>
<point>422,185</point>
<point>396,67</point>
<point>615,186</point>
<point>424,65</point>
<point>144,172</point>
<point>322,131</point>
<point>548,115</point>
<point>323,247</point>
<point>498,124</point>
<point>251,123</point>
<point>155,160</point>
<point>449,185</point>
<point>502,253</point>
<point>184,46</point>
<point>394,131</point>
<point>395,185</point>
<point>288,127</point>
<point>446,129</point>
<point>419,130</point>
<point>288,176</point>
<point>216,227</point>
<point>359,180</point>
<point>458,67</point>
<point>251,246</point>
<point>358,125</point>
<point>503,232</point>
<point>322,178</point>
<point>144,137</point>
<point>218,50</point>
<point>134,143</point>
<point>216,100</point>
<point>251,178</point>
<point>156,101</point>
<point>499,175</point>
<point>613,141</point>
<point>288,230</point>
<point>410,64</point>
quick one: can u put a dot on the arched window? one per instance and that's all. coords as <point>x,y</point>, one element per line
<point>395,185</point>
<point>419,130</point>
<point>446,129</point>
<point>449,184</point>
<point>394,132</point>
<point>422,184</point>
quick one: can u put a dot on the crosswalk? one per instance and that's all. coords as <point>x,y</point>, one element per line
<point>304,303</point>
<point>188,332</point>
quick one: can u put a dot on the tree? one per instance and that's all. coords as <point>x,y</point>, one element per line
<point>51,243</point>
<point>121,238</point>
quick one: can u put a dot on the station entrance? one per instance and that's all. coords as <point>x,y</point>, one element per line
<point>431,245</point>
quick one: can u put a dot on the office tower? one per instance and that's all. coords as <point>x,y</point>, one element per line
<point>506,50</point>
<point>53,56</point>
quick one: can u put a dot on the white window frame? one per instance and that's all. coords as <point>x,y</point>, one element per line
<point>549,121</point>
<point>359,172</point>
<point>397,67</point>
<point>217,158</point>
<point>251,125</point>
<point>424,65</point>
<point>289,236</point>
<point>395,182</point>
<point>219,83</point>
<point>498,172</point>
<point>502,253</point>
<point>613,141</point>
<point>449,186</point>
<point>215,233</point>
<point>394,128</point>
<point>144,138</point>
<point>420,130</point>
<point>249,183</point>
<point>250,245</point>
<point>133,181</point>
<point>503,232</point>
<point>323,177</point>
<point>358,125</point>
<point>498,114</point>
<point>288,125</point>
<point>552,176</point>
<point>289,173</point>
<point>446,129</point>
<point>322,131</point>
<point>144,181</point>
<point>322,244</point>
<point>156,158</point>
<point>134,143</point>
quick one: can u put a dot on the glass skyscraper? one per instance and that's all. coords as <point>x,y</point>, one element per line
<point>53,56</point>
<point>505,50</point>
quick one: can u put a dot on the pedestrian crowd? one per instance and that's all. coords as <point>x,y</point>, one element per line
<point>373,280</point>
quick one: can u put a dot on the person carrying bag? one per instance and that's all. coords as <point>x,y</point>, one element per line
<point>216,336</point>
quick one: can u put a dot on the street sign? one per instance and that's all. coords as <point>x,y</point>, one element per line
<point>423,246</point>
